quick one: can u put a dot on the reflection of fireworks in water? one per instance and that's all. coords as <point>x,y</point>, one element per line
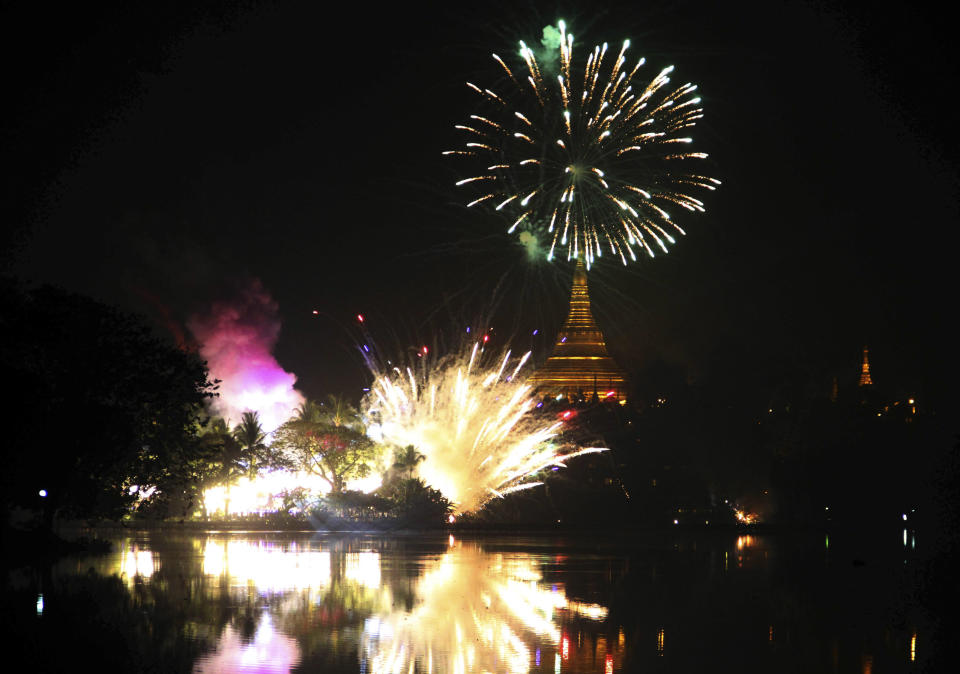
<point>583,159</point>
<point>267,650</point>
<point>478,612</point>
<point>473,423</point>
<point>466,608</point>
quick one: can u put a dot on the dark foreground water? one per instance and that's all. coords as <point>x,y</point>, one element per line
<point>272,602</point>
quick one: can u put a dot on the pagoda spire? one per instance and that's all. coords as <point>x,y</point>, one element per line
<point>865,379</point>
<point>580,363</point>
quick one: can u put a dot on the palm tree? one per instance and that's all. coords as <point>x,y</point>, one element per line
<point>307,412</point>
<point>336,411</point>
<point>225,453</point>
<point>406,460</point>
<point>251,437</point>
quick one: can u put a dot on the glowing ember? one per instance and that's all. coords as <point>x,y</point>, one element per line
<point>745,517</point>
<point>471,420</point>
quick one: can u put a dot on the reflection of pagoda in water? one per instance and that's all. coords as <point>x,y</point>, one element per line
<point>580,363</point>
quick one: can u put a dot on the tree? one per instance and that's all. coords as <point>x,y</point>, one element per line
<point>253,448</point>
<point>338,412</point>
<point>218,457</point>
<point>226,455</point>
<point>415,502</point>
<point>102,404</point>
<point>328,441</point>
<point>308,411</point>
<point>180,492</point>
<point>406,460</point>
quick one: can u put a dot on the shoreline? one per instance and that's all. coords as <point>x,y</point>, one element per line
<point>77,528</point>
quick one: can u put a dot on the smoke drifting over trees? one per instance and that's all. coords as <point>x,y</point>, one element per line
<point>236,339</point>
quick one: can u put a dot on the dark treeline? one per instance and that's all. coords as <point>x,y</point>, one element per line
<point>694,454</point>
<point>108,421</point>
<point>99,404</point>
<point>102,407</point>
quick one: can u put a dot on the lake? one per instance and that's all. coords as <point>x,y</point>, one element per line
<point>639,602</point>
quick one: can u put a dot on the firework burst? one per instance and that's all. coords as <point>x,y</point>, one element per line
<point>470,416</point>
<point>586,159</point>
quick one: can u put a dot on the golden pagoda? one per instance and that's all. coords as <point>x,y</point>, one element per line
<point>580,364</point>
<point>865,379</point>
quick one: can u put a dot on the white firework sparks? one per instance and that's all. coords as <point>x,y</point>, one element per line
<point>589,160</point>
<point>472,421</point>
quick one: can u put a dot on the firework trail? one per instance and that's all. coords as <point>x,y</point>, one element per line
<point>588,159</point>
<point>470,416</point>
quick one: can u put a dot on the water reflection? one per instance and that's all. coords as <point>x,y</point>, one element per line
<point>301,602</point>
<point>266,565</point>
<point>136,562</point>
<point>267,651</point>
<point>476,611</point>
<point>381,605</point>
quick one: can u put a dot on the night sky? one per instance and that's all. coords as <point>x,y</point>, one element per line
<point>161,157</point>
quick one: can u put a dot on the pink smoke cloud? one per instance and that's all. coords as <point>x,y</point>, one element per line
<point>236,339</point>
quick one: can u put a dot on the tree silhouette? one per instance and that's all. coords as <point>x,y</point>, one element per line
<point>226,456</point>
<point>406,460</point>
<point>102,404</point>
<point>252,440</point>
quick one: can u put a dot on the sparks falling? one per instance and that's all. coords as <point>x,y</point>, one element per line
<point>470,416</point>
<point>591,160</point>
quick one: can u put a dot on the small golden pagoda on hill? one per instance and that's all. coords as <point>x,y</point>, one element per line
<point>865,378</point>
<point>580,364</point>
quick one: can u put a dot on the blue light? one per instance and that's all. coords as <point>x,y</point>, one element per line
<point>536,331</point>
<point>468,329</point>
